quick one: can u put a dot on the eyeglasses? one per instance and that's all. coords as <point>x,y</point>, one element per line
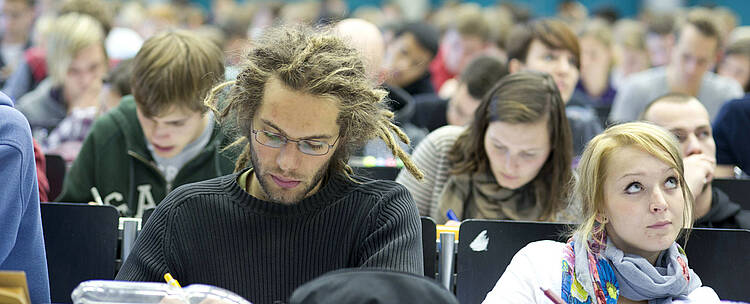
<point>307,146</point>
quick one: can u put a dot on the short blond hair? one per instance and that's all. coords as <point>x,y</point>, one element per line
<point>97,9</point>
<point>68,35</point>
<point>594,163</point>
<point>471,22</point>
<point>630,33</point>
<point>598,29</point>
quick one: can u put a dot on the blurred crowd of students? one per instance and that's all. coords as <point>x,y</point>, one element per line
<point>136,129</point>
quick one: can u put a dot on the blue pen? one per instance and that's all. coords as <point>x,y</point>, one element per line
<point>451,215</point>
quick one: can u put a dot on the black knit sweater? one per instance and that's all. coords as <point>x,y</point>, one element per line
<point>213,232</point>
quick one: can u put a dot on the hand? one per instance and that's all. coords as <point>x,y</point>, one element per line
<point>699,172</point>
<point>84,97</point>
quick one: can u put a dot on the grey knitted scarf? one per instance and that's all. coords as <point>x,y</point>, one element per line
<point>670,278</point>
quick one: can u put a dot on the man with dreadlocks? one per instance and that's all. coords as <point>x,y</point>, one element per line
<point>292,210</point>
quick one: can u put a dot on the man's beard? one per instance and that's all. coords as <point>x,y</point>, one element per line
<point>266,184</point>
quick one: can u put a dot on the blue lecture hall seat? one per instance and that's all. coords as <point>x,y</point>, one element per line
<point>81,244</point>
<point>716,255</point>
<point>720,258</point>
<point>738,190</point>
<point>429,246</point>
<point>478,271</point>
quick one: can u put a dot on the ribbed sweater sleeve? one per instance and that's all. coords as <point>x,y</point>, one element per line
<point>146,261</point>
<point>431,156</point>
<point>393,240</point>
<point>213,232</point>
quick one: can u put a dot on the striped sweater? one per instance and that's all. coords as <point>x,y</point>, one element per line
<point>213,232</point>
<point>431,156</point>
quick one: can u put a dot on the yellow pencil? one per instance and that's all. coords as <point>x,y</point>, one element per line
<point>171,281</point>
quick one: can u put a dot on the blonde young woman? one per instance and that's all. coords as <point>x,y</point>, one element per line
<point>634,205</point>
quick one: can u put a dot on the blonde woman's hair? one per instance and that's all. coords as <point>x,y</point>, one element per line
<point>594,163</point>
<point>68,35</point>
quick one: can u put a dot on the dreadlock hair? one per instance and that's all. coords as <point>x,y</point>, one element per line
<point>315,62</point>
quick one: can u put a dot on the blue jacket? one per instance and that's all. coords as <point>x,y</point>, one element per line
<point>730,133</point>
<point>21,238</point>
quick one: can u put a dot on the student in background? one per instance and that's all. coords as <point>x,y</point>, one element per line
<point>76,64</point>
<point>698,44</point>
<point>116,85</point>
<point>464,39</point>
<point>631,54</point>
<point>159,138</point>
<point>17,19</point>
<point>730,133</point>
<point>551,47</point>
<point>594,88</point>
<point>33,69</point>
<point>21,238</point>
<point>292,210</point>
<point>480,75</point>
<point>635,201</point>
<point>660,38</point>
<point>736,63</point>
<point>407,58</point>
<point>687,119</point>
<point>511,162</point>
<point>476,80</point>
<point>368,40</point>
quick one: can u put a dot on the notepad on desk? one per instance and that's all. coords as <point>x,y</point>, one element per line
<point>13,288</point>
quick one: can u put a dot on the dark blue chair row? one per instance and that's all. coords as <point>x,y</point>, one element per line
<point>81,244</point>
<point>82,240</point>
<point>738,190</point>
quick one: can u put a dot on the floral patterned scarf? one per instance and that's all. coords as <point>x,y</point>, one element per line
<point>605,288</point>
<point>607,273</point>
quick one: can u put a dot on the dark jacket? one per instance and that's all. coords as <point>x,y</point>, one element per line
<point>44,107</point>
<point>724,213</point>
<point>730,133</point>
<point>115,159</point>
<point>371,286</point>
<point>431,112</point>
<point>420,86</point>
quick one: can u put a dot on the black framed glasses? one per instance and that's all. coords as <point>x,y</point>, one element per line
<point>307,146</point>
